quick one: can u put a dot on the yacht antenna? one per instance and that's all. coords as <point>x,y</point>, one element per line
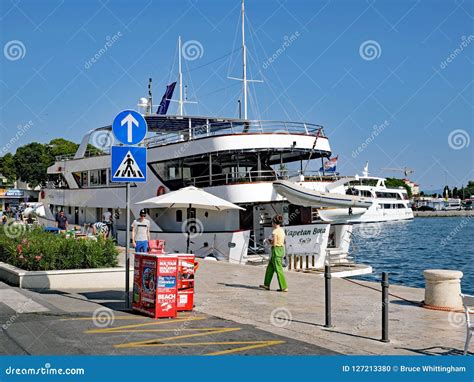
<point>365,173</point>
<point>180,78</point>
<point>150,97</point>
<point>244,79</point>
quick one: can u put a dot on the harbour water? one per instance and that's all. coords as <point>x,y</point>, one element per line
<point>406,248</point>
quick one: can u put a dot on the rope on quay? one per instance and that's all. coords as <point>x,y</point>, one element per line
<point>390,294</point>
<point>421,304</point>
<point>441,308</point>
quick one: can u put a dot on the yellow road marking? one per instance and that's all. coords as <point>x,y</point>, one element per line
<point>155,341</point>
<point>115,318</point>
<point>133,326</point>
<point>249,345</point>
<point>131,317</point>
<point>255,346</point>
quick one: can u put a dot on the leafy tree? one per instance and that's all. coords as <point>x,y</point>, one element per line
<point>31,162</point>
<point>60,146</point>
<point>7,167</point>
<point>396,183</point>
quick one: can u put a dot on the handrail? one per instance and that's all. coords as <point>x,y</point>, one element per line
<point>221,128</point>
<point>88,154</point>
<point>232,127</point>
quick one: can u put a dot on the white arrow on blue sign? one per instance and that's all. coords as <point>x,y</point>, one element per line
<point>128,164</point>
<point>129,127</point>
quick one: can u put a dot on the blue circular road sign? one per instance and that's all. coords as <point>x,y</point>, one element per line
<point>129,127</point>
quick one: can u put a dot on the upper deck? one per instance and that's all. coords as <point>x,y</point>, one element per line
<point>167,130</point>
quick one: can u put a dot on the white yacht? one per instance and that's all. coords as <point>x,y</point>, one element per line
<point>235,159</point>
<point>387,204</point>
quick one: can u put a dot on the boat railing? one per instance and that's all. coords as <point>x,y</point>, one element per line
<point>234,177</point>
<point>88,154</point>
<point>236,127</point>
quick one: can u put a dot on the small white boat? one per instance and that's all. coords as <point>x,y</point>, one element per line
<point>304,196</point>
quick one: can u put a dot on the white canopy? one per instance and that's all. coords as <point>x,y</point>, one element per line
<point>189,197</point>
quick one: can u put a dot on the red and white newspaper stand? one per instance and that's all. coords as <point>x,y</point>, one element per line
<point>155,286</point>
<point>186,269</point>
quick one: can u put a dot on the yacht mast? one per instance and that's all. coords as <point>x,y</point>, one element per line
<point>244,59</point>
<point>244,78</point>
<point>180,79</point>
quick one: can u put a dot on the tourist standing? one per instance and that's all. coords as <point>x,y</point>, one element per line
<point>61,221</point>
<point>141,233</point>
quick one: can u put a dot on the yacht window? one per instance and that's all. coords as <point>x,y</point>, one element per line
<point>387,206</point>
<point>98,177</point>
<point>179,216</point>
<point>94,178</point>
<point>80,178</point>
<point>84,179</point>
<point>365,193</point>
<point>386,195</point>
<point>103,176</point>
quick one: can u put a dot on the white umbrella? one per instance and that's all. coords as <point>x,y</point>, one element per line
<point>188,197</point>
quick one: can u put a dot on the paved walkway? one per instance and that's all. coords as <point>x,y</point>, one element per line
<point>231,292</point>
<point>74,322</point>
<point>235,317</point>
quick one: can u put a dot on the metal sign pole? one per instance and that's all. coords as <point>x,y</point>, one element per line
<point>127,250</point>
<point>128,164</point>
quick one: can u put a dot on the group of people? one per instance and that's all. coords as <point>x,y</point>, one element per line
<point>141,237</point>
<point>16,213</point>
<point>103,228</point>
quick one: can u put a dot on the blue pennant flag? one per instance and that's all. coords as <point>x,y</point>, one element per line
<point>165,101</point>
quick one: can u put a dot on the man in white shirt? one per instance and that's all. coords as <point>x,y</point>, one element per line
<point>141,233</point>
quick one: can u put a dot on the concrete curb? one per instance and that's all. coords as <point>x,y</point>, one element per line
<point>97,278</point>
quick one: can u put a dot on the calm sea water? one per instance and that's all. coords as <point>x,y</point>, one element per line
<point>406,248</point>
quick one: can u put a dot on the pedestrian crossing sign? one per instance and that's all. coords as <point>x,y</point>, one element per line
<point>128,164</point>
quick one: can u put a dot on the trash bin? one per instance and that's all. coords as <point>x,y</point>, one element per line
<point>185,282</point>
<point>155,285</point>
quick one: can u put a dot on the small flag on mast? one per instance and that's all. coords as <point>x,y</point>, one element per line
<point>165,101</point>
<point>329,165</point>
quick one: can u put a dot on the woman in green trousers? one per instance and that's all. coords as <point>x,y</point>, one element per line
<point>278,252</point>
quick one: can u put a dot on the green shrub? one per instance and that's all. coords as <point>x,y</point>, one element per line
<point>36,250</point>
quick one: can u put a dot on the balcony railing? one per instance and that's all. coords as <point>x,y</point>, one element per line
<point>219,128</point>
<point>232,127</point>
<point>88,154</point>
<point>253,176</point>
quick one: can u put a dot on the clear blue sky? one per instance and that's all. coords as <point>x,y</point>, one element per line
<point>323,76</point>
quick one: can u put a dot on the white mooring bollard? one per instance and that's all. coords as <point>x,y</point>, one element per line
<point>442,288</point>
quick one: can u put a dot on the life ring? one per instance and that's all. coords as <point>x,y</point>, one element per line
<point>161,190</point>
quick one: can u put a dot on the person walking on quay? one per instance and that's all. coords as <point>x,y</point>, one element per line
<point>141,233</point>
<point>278,252</point>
